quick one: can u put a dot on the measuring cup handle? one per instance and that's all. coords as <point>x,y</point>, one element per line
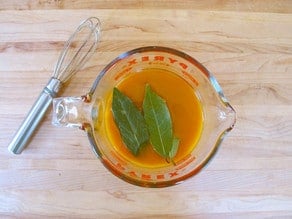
<point>35,115</point>
<point>71,112</point>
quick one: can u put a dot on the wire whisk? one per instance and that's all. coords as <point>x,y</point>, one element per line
<point>76,52</point>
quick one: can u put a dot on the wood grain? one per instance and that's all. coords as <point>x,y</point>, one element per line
<point>247,45</point>
<point>280,6</point>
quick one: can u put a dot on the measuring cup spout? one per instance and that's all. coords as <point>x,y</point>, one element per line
<point>71,112</point>
<point>227,116</point>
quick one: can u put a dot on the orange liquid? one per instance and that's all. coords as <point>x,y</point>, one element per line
<point>184,107</point>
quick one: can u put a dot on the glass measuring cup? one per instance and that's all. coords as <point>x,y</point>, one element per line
<point>87,113</point>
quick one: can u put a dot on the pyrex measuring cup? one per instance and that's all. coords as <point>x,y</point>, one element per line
<point>87,113</point>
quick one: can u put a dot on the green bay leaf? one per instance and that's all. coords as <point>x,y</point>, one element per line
<point>159,123</point>
<point>174,148</point>
<point>130,122</point>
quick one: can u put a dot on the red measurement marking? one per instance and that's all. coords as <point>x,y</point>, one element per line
<point>159,58</point>
<point>132,62</point>
<point>191,77</point>
<point>172,174</point>
<point>160,176</point>
<point>146,176</point>
<point>132,174</point>
<point>172,60</point>
<point>183,65</point>
<point>145,58</point>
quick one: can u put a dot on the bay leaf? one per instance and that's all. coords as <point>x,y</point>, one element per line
<point>159,123</point>
<point>130,122</point>
<point>174,148</point>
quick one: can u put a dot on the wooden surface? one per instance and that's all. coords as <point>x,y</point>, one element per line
<point>246,44</point>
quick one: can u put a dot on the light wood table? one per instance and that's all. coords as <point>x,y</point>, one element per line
<point>247,45</point>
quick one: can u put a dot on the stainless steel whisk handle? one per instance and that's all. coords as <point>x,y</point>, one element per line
<point>34,116</point>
